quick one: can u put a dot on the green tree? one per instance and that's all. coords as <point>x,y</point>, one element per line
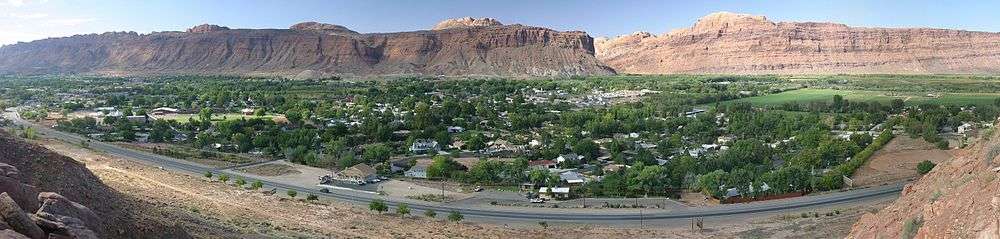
<point>587,148</point>
<point>442,167</point>
<point>291,193</point>
<point>208,174</point>
<point>205,115</point>
<point>312,197</point>
<point>376,153</point>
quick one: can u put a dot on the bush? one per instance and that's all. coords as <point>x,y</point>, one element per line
<point>312,197</point>
<point>403,209</point>
<point>257,184</point>
<point>208,174</point>
<point>925,167</point>
<point>911,226</point>
<point>292,193</point>
<point>240,182</point>
<point>430,213</point>
<point>224,178</point>
<point>543,224</point>
<point>455,216</point>
<point>378,205</point>
<point>943,144</point>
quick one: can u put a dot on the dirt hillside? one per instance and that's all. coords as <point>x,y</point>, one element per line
<point>959,198</point>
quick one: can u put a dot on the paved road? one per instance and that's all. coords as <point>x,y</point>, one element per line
<point>858,196</point>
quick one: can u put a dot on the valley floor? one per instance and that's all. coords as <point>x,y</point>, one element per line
<point>211,209</point>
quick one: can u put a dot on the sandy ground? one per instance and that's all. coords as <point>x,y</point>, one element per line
<point>898,161</point>
<point>228,212</point>
<point>304,175</point>
<point>403,189</point>
<point>271,170</point>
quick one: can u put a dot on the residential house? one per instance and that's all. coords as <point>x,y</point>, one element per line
<point>568,157</point>
<point>543,164</point>
<point>554,193</point>
<point>359,173</point>
<point>455,129</point>
<point>423,146</point>
<point>164,111</point>
<point>572,178</point>
<point>419,169</point>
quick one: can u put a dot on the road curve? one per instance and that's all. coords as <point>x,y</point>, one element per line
<point>589,216</point>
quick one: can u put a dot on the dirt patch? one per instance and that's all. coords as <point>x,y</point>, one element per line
<point>898,161</point>
<point>697,199</point>
<point>270,170</point>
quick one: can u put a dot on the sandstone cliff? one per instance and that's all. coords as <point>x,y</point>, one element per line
<point>476,48</point>
<point>957,199</point>
<point>745,44</point>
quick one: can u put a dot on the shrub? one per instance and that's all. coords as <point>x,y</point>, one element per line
<point>312,197</point>
<point>403,209</point>
<point>455,216</point>
<point>208,174</point>
<point>223,178</point>
<point>240,181</point>
<point>911,226</point>
<point>942,144</point>
<point>925,167</point>
<point>430,213</point>
<point>257,184</point>
<point>543,224</point>
<point>292,193</point>
<point>377,205</point>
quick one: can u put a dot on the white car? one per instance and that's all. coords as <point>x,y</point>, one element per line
<point>537,200</point>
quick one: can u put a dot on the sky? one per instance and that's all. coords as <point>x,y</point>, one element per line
<point>26,20</point>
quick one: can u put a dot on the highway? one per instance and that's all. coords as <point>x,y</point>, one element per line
<point>857,196</point>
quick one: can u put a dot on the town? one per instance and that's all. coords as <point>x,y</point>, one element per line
<point>694,139</point>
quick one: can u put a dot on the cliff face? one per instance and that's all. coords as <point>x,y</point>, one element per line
<point>957,199</point>
<point>314,47</point>
<point>745,44</point>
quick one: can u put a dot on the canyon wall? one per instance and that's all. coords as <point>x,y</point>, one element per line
<point>732,43</point>
<point>479,47</point>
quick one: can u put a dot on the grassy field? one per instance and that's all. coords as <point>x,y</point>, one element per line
<point>810,95</point>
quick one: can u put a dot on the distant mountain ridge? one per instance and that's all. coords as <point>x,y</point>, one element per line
<point>478,47</point>
<point>731,43</point>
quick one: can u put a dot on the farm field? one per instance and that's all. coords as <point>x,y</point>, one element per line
<point>911,98</point>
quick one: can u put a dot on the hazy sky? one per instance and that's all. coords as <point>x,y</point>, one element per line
<point>25,20</point>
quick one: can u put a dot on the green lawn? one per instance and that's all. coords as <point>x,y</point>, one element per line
<point>810,95</point>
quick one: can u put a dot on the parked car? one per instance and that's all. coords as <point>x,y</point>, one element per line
<point>537,200</point>
<point>325,190</point>
<point>478,189</point>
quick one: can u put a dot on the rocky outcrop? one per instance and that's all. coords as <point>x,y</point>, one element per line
<point>17,220</point>
<point>959,198</point>
<point>733,43</point>
<point>490,49</point>
<point>467,22</point>
<point>73,203</point>
<point>206,28</point>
